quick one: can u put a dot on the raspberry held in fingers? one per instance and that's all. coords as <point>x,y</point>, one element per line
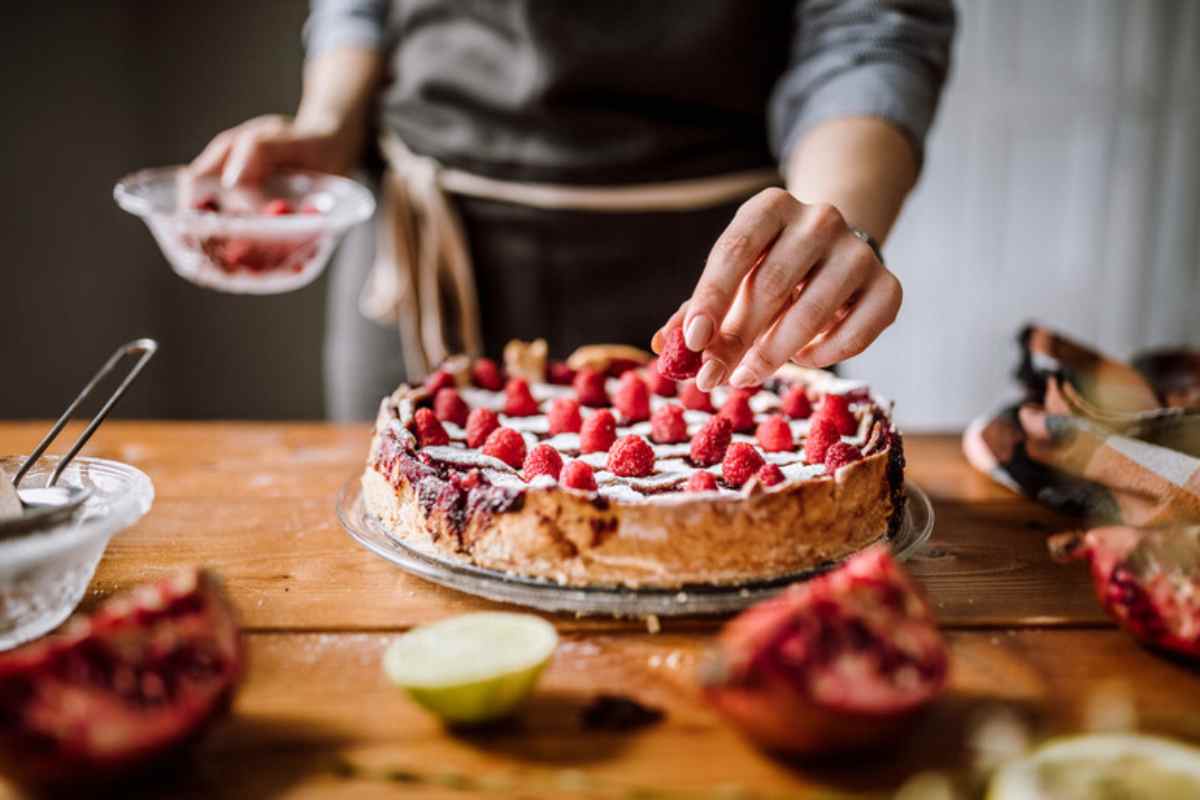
<point>677,361</point>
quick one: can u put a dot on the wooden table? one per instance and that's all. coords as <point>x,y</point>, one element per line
<point>255,503</point>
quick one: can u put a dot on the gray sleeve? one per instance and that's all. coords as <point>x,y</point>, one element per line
<point>345,23</point>
<point>863,58</point>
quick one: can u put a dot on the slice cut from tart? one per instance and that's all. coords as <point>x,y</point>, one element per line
<point>786,486</point>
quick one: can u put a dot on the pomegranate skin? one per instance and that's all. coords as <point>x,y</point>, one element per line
<point>1148,580</point>
<point>837,664</point>
<point>118,691</point>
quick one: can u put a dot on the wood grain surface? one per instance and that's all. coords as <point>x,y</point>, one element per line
<point>254,502</point>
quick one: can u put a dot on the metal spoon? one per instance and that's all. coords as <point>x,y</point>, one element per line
<point>50,505</point>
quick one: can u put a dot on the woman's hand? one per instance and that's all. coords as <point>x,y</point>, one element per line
<point>785,281</point>
<point>253,150</point>
<point>327,134</point>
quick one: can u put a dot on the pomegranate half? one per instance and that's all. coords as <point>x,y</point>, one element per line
<point>838,663</point>
<point>1147,579</point>
<point>139,677</point>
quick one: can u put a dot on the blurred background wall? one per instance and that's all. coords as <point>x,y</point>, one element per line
<point>1062,184</point>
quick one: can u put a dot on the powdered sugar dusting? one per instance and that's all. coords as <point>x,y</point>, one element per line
<point>672,467</point>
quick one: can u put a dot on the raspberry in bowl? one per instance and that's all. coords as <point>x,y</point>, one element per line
<point>259,240</point>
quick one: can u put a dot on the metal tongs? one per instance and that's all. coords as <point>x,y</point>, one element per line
<point>52,504</point>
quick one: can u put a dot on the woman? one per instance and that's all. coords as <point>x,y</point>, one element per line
<point>565,169</point>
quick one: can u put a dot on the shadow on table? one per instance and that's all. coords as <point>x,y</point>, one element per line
<point>550,730</point>
<point>939,739</point>
<point>251,757</point>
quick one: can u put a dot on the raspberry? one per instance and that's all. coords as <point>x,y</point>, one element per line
<point>660,384</point>
<point>542,460</point>
<point>486,375</point>
<point>564,416</point>
<point>702,482</point>
<point>518,402</point>
<point>619,366</point>
<point>632,398</point>
<point>770,475</point>
<point>774,434</point>
<point>598,432</point>
<point>821,436</point>
<point>438,381</point>
<point>480,425</point>
<point>278,208</point>
<point>589,388</point>
<point>208,204</point>
<point>836,409</point>
<point>631,457</point>
<point>467,482</point>
<point>796,403</point>
<point>839,455</point>
<point>710,442</point>
<point>578,475</point>
<point>740,462</point>
<point>667,425</point>
<point>676,361</point>
<point>558,373</point>
<point>737,411</point>
<point>429,431</point>
<point>448,406</point>
<point>506,445</point>
<point>694,399</point>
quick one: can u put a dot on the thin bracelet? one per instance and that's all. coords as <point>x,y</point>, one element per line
<point>870,240</point>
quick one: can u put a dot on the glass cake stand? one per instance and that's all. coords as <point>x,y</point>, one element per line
<point>546,595</point>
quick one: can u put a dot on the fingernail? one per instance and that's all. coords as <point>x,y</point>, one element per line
<point>656,343</point>
<point>711,375</point>
<point>742,377</point>
<point>698,332</point>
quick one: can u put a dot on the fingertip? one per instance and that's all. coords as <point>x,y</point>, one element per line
<point>710,376</point>
<point>698,332</point>
<point>656,343</point>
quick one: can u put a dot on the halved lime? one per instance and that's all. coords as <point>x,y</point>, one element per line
<point>1102,766</point>
<point>472,668</point>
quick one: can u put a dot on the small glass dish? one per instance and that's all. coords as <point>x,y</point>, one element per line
<point>43,575</point>
<point>915,529</point>
<point>262,240</point>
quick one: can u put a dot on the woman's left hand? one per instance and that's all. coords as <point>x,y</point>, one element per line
<point>785,281</point>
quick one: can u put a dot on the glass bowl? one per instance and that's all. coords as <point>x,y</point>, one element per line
<point>43,575</point>
<point>260,240</point>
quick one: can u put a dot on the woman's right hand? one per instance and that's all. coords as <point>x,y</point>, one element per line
<point>250,152</point>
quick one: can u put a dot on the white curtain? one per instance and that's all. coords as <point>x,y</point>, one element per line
<point>1062,184</point>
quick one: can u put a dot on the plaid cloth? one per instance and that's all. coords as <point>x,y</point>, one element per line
<point>1112,442</point>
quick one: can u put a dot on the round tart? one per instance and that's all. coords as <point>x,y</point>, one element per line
<point>489,492</point>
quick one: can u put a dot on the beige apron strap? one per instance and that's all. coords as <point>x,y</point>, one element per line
<point>421,251</point>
